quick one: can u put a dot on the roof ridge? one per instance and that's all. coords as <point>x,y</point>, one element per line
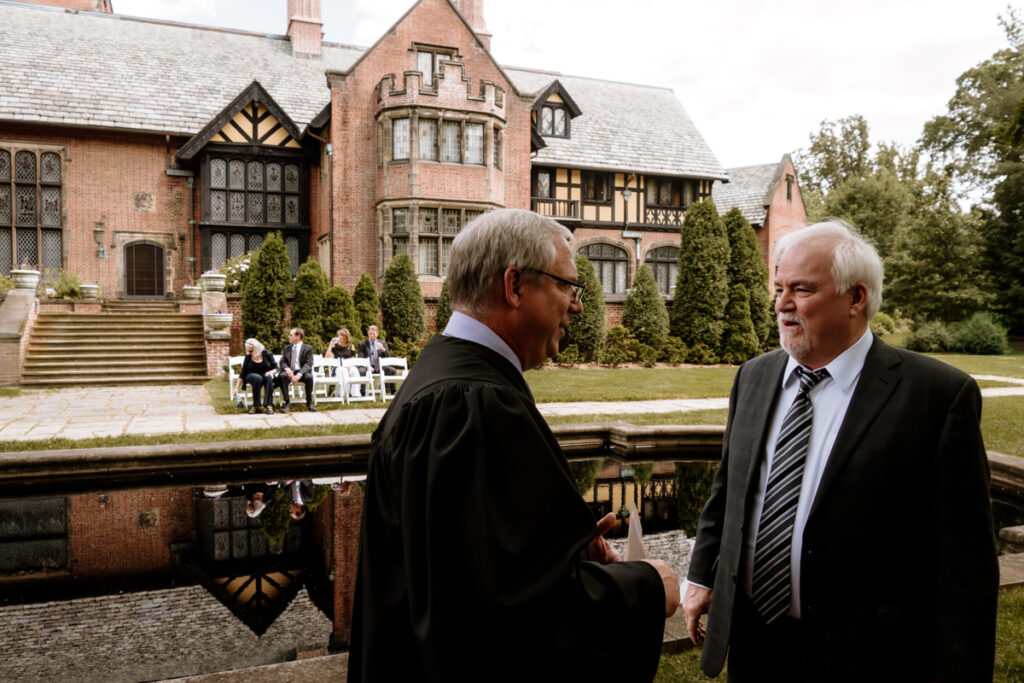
<point>558,74</point>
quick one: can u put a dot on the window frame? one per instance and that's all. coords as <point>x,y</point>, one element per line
<point>395,140</point>
<point>658,262</point>
<point>615,261</point>
<point>551,130</point>
<point>438,54</point>
<point>602,177</point>
<point>38,228</point>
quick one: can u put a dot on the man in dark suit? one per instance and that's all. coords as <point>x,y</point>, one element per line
<point>296,366</point>
<point>458,572</point>
<point>848,534</point>
<point>374,349</point>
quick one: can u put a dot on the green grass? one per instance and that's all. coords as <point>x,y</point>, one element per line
<point>993,384</point>
<point>1008,365</point>
<point>1002,424</point>
<point>1009,664</point>
<point>629,384</point>
<point>9,392</point>
<point>692,417</point>
<point>223,405</point>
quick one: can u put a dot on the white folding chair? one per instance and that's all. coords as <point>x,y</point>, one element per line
<point>326,376</point>
<point>364,379</point>
<point>234,370</point>
<point>401,372</point>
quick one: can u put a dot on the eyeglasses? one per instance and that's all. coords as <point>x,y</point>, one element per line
<point>577,288</point>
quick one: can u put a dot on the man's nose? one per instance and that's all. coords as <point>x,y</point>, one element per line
<point>575,307</point>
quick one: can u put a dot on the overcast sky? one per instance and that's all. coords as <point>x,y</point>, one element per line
<point>756,77</point>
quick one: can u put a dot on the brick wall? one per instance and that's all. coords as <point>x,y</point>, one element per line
<point>784,216</point>
<point>347,504</point>
<point>218,352</point>
<point>127,533</point>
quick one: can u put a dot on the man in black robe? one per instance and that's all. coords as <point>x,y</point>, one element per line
<point>478,558</point>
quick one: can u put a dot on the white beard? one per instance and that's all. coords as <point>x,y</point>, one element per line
<point>794,341</point>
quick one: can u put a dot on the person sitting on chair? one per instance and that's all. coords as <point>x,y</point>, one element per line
<point>258,371</point>
<point>374,349</point>
<point>341,348</point>
<point>296,366</point>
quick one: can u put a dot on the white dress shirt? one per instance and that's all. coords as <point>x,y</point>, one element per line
<point>830,399</point>
<point>462,326</point>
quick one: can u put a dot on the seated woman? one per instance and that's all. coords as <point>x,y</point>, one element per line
<point>341,348</point>
<point>258,370</point>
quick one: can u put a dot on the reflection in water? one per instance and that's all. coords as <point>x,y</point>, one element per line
<point>158,583</point>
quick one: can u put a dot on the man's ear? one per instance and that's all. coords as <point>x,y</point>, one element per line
<point>512,282</point>
<point>859,300</point>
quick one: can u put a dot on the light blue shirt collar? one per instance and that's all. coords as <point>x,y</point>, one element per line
<point>462,326</point>
<point>844,368</point>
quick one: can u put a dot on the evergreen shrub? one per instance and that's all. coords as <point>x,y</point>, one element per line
<point>747,268</point>
<point>340,312</point>
<point>644,313</point>
<point>933,337</point>
<point>980,335</point>
<point>587,330</point>
<point>367,307</point>
<point>883,324</point>
<point>444,308</point>
<point>67,285</point>
<point>570,355</point>
<point>263,296</point>
<point>700,354</point>
<point>403,311</point>
<point>309,304</point>
<point>702,289</point>
<point>673,351</point>
<point>739,341</point>
<point>620,347</point>
<point>584,473</point>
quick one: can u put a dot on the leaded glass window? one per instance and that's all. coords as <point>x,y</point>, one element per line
<point>399,245</point>
<point>428,221</point>
<point>451,221</point>
<point>218,248</point>
<point>400,220</point>
<point>451,141</point>
<point>553,121</point>
<point>253,192</point>
<point>664,261</point>
<point>610,264</point>
<point>291,245</point>
<point>31,198</point>
<point>543,184</point>
<point>237,245</point>
<point>474,143</point>
<point>428,139</point>
<point>400,139</point>
<point>498,137</point>
<point>446,253</point>
<point>425,64</point>
<point>428,256</point>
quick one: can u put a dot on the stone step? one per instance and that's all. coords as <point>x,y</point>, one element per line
<point>113,318</point>
<point>108,370</point>
<point>107,365</point>
<point>67,381</point>
<point>53,348</point>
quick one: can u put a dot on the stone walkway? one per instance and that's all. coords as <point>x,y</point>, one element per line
<point>169,409</point>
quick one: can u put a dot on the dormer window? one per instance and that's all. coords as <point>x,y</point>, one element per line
<point>554,121</point>
<point>428,61</point>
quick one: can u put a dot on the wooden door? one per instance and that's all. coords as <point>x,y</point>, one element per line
<point>144,270</point>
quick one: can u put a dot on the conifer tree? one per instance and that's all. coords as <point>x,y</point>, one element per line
<point>586,330</point>
<point>444,308</point>
<point>340,312</point>
<point>263,297</point>
<point>365,299</point>
<point>702,290</point>
<point>747,268</point>
<point>309,303</point>
<point>739,342</point>
<point>645,314</point>
<point>403,311</point>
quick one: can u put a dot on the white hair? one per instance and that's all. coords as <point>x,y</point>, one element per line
<point>491,243</point>
<point>854,259</point>
<point>256,345</point>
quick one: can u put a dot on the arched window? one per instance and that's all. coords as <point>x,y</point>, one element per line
<point>610,263</point>
<point>664,261</point>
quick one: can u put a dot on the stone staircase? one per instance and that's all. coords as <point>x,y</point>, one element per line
<point>128,343</point>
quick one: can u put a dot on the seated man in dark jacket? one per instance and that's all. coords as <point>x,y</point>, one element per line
<point>374,349</point>
<point>296,366</point>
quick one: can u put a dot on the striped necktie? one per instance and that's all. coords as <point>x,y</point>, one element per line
<point>771,584</point>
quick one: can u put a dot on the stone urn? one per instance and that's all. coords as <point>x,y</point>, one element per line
<point>191,292</point>
<point>213,282</point>
<point>25,278</point>
<point>90,291</point>
<point>218,321</point>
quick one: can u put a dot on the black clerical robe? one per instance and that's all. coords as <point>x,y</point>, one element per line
<point>473,534</point>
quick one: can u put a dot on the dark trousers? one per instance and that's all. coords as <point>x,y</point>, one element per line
<point>261,385</point>
<point>763,653</point>
<point>284,383</point>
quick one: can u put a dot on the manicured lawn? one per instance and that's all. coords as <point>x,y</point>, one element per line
<point>629,384</point>
<point>9,392</point>
<point>1009,665</point>
<point>693,417</point>
<point>1002,424</point>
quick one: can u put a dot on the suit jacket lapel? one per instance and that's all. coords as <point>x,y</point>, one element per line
<point>758,412</point>
<point>877,382</point>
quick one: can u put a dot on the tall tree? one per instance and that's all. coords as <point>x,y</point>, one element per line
<point>702,290</point>
<point>586,330</point>
<point>747,268</point>
<point>263,296</point>
<point>739,341</point>
<point>339,313</point>
<point>403,311</point>
<point>365,299</point>
<point>444,308</point>
<point>645,314</point>
<point>309,302</point>
<point>839,151</point>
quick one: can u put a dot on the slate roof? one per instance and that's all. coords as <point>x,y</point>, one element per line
<point>748,190</point>
<point>108,71</point>
<point>94,69</point>
<point>624,126</point>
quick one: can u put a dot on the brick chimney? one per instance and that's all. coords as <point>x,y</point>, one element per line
<point>305,27</point>
<point>473,12</point>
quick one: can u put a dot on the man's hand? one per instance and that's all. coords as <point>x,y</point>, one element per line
<point>600,550</point>
<point>671,581</point>
<point>696,604</point>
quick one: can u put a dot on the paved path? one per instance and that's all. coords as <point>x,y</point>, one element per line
<point>168,409</point>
